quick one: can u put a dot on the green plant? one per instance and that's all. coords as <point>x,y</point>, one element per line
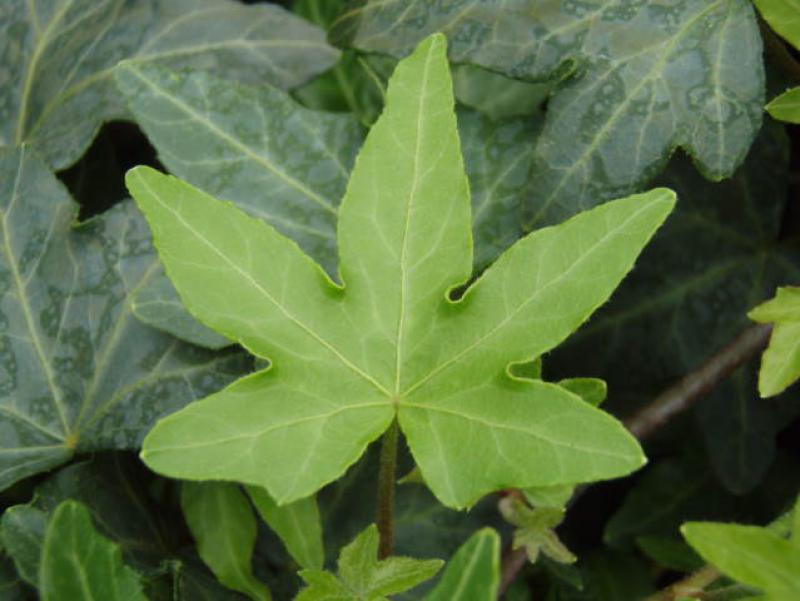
<point>362,240</point>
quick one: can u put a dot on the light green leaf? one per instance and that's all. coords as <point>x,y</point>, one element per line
<point>297,524</point>
<point>780,364</point>
<point>390,343</point>
<point>783,16</point>
<point>650,78</point>
<point>535,529</point>
<point>555,497</point>
<point>79,564</point>
<point>786,107</point>
<point>22,531</point>
<point>362,576</point>
<point>473,573</point>
<point>77,372</point>
<point>58,87</point>
<point>591,390</point>
<point>234,142</point>
<point>224,527</point>
<point>696,307</point>
<point>750,555</point>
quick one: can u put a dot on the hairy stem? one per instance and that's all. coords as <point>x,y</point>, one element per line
<point>386,486</point>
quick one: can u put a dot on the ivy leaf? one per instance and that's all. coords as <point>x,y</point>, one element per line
<point>651,78</point>
<point>696,306</point>
<point>749,554</point>
<point>786,107</point>
<point>77,372</point>
<point>62,90</point>
<point>474,570</point>
<point>222,522</point>
<point>780,364</point>
<point>362,576</point>
<point>783,16</point>
<point>204,130</point>
<point>79,563</point>
<point>497,96</point>
<point>535,529</point>
<point>22,531</point>
<point>297,524</point>
<point>390,343</point>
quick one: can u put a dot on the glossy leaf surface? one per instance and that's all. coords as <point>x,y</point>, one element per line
<point>222,522</point>
<point>362,576</point>
<point>61,54</point>
<point>79,564</point>
<point>473,573</point>
<point>390,343</point>
<point>646,78</point>
<point>780,364</point>
<point>77,371</point>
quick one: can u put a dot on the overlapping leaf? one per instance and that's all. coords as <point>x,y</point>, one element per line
<point>77,371</point>
<point>58,55</point>
<point>717,257</point>
<point>784,17</point>
<point>646,78</point>
<point>390,344</point>
<point>473,572</point>
<point>79,563</point>
<point>780,364</point>
<point>289,166</point>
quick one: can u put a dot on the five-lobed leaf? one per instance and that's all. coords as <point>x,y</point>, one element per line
<point>77,371</point>
<point>58,89</point>
<point>222,522</point>
<point>362,576</point>
<point>390,343</point>
<point>780,364</point>
<point>80,564</point>
<point>646,78</point>
<point>473,572</point>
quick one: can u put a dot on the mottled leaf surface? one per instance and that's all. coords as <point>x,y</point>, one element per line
<point>223,525</point>
<point>289,166</point>
<point>780,364</point>
<point>717,257</point>
<point>362,576</point>
<point>390,344</point>
<point>77,371</point>
<point>79,563</point>
<point>57,88</point>
<point>473,573</point>
<point>297,524</point>
<point>646,78</point>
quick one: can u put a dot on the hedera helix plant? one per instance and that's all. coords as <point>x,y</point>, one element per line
<point>389,346</point>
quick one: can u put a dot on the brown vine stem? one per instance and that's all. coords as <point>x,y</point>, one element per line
<point>386,486</point>
<point>673,401</point>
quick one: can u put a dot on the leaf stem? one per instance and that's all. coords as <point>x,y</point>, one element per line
<point>690,586</point>
<point>386,486</point>
<point>696,384</point>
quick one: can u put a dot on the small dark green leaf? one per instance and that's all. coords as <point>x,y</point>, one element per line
<point>22,532</point>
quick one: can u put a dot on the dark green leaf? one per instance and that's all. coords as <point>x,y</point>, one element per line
<point>22,531</point>
<point>77,371</point>
<point>57,89</point>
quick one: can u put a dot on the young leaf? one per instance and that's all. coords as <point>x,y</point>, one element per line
<point>362,576</point>
<point>535,529</point>
<point>22,531</point>
<point>222,522</point>
<point>77,371</point>
<point>58,87</point>
<point>297,524</point>
<point>473,572</point>
<point>786,107</point>
<point>390,343</point>
<point>641,91</point>
<point>780,364</point>
<point>80,564</point>
<point>750,555</point>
